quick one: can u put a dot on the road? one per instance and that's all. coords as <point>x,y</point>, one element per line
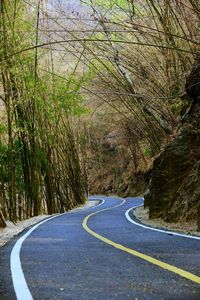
<point>98,253</point>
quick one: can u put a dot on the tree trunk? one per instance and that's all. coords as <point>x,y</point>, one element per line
<point>2,220</point>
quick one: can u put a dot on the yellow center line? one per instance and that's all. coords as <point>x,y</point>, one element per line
<point>143,256</point>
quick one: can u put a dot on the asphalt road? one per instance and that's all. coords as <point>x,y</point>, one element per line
<point>88,254</point>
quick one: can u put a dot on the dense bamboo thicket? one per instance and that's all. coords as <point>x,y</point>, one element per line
<point>147,51</point>
<point>40,169</point>
<point>141,54</point>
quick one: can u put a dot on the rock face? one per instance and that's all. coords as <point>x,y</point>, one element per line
<point>115,173</point>
<point>174,191</point>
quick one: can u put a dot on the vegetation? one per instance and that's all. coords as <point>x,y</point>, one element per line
<point>40,165</point>
<point>83,90</point>
<point>142,57</point>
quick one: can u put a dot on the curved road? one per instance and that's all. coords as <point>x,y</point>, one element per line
<point>98,253</point>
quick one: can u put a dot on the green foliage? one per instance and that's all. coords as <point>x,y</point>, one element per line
<point>101,36</point>
<point>67,96</point>
<point>98,36</point>
<point>179,107</point>
<point>3,129</point>
<point>147,151</point>
<point>120,7</point>
<point>38,122</point>
<point>109,4</point>
<point>4,163</point>
<point>42,159</point>
<point>97,65</point>
<point>18,165</point>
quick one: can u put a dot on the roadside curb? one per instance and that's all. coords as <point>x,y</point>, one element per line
<point>133,219</point>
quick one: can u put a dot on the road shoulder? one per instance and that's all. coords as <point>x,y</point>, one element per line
<point>141,214</point>
<point>6,234</point>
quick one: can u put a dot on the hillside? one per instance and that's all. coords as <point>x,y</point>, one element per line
<point>174,191</point>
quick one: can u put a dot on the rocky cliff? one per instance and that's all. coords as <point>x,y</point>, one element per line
<point>174,191</point>
<point>114,171</point>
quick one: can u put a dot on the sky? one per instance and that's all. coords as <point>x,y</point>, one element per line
<point>72,6</point>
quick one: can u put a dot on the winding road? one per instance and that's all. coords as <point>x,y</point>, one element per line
<point>100,253</point>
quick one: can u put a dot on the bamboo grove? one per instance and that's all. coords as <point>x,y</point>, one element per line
<point>141,53</point>
<point>59,67</point>
<point>39,160</point>
<point>148,51</point>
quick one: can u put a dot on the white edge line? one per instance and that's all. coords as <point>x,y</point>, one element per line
<point>97,199</point>
<point>155,229</point>
<point>19,282</point>
<point>108,208</point>
<point>78,209</point>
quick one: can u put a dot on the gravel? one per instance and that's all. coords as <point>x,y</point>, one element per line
<point>189,227</point>
<point>13,229</point>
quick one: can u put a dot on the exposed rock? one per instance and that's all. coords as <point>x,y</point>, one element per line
<point>118,176</point>
<point>112,140</point>
<point>114,171</point>
<point>174,191</point>
<point>192,86</point>
<point>137,184</point>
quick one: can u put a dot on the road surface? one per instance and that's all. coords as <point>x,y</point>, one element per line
<point>97,253</point>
